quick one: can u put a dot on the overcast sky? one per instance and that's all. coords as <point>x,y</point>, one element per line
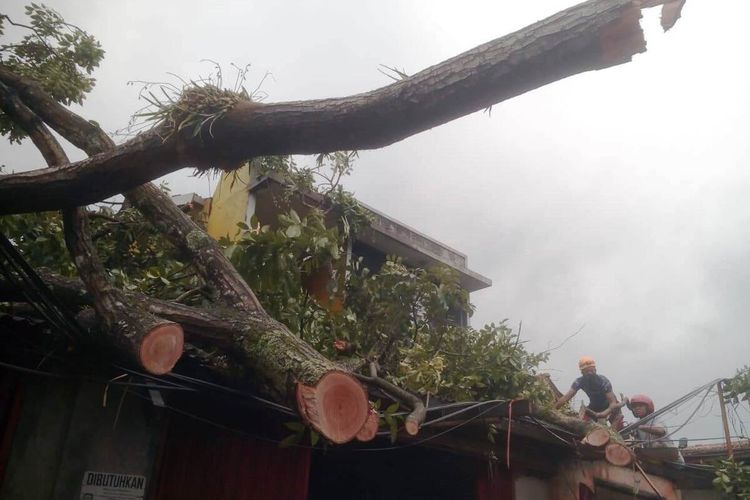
<point>616,200</point>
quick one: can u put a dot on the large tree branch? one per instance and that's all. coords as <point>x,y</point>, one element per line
<point>282,365</point>
<point>593,35</point>
<point>156,344</point>
<point>155,205</point>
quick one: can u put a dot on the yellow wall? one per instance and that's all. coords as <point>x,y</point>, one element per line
<point>229,204</point>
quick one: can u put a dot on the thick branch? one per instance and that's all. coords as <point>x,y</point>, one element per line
<point>593,35</point>
<point>282,365</point>
<point>193,241</point>
<point>199,324</point>
<point>418,413</point>
<point>156,205</point>
<point>44,141</point>
<point>76,129</point>
<point>156,344</point>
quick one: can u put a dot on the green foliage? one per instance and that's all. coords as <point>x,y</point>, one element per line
<point>57,55</point>
<point>191,106</point>
<point>40,238</point>
<point>389,419</point>
<point>402,317</point>
<point>732,479</point>
<point>135,254</point>
<point>297,437</point>
<point>275,262</point>
<point>467,364</point>
<point>195,107</point>
<point>737,388</point>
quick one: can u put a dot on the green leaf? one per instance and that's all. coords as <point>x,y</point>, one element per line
<point>295,426</point>
<point>290,440</point>
<point>293,231</point>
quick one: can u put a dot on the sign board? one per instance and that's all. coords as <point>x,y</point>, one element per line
<point>112,486</point>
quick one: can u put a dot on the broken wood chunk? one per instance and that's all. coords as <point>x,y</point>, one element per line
<point>370,429</point>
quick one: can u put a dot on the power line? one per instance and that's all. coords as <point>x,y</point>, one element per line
<point>667,408</point>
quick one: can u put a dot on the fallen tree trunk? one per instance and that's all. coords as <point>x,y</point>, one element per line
<point>280,364</point>
<point>593,35</point>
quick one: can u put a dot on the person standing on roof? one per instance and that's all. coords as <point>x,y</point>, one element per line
<point>602,401</point>
<point>651,433</point>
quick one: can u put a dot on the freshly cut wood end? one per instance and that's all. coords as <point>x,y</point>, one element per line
<point>370,429</point>
<point>411,426</point>
<point>336,406</point>
<point>597,437</point>
<point>161,348</point>
<point>618,454</point>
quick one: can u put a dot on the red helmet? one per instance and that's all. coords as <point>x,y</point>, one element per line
<point>643,399</point>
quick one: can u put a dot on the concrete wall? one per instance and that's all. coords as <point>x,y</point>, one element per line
<point>65,431</point>
<point>565,485</point>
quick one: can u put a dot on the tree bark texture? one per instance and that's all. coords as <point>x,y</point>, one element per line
<point>151,201</point>
<point>194,242</point>
<point>279,363</point>
<point>155,344</point>
<point>336,404</point>
<point>593,35</point>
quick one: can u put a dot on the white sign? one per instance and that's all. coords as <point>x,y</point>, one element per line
<point>112,486</point>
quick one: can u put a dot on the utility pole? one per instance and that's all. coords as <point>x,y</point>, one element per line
<point>730,452</point>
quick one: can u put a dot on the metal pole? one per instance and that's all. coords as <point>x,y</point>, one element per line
<point>730,452</point>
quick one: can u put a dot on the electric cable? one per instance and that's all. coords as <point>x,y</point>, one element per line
<point>667,408</point>
<point>32,286</point>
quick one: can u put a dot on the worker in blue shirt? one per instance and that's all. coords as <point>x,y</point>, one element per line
<point>602,401</point>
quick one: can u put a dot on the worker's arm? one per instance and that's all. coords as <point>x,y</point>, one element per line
<point>612,400</point>
<point>565,398</point>
<point>654,430</point>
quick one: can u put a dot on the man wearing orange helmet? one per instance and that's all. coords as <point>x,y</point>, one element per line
<point>602,401</point>
<point>652,433</point>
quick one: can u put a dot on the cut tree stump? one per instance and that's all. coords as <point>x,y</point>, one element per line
<point>370,429</point>
<point>597,437</point>
<point>618,454</point>
<point>336,406</point>
<point>161,348</point>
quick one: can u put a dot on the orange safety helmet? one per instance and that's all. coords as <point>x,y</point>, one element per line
<point>645,400</point>
<point>585,362</point>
